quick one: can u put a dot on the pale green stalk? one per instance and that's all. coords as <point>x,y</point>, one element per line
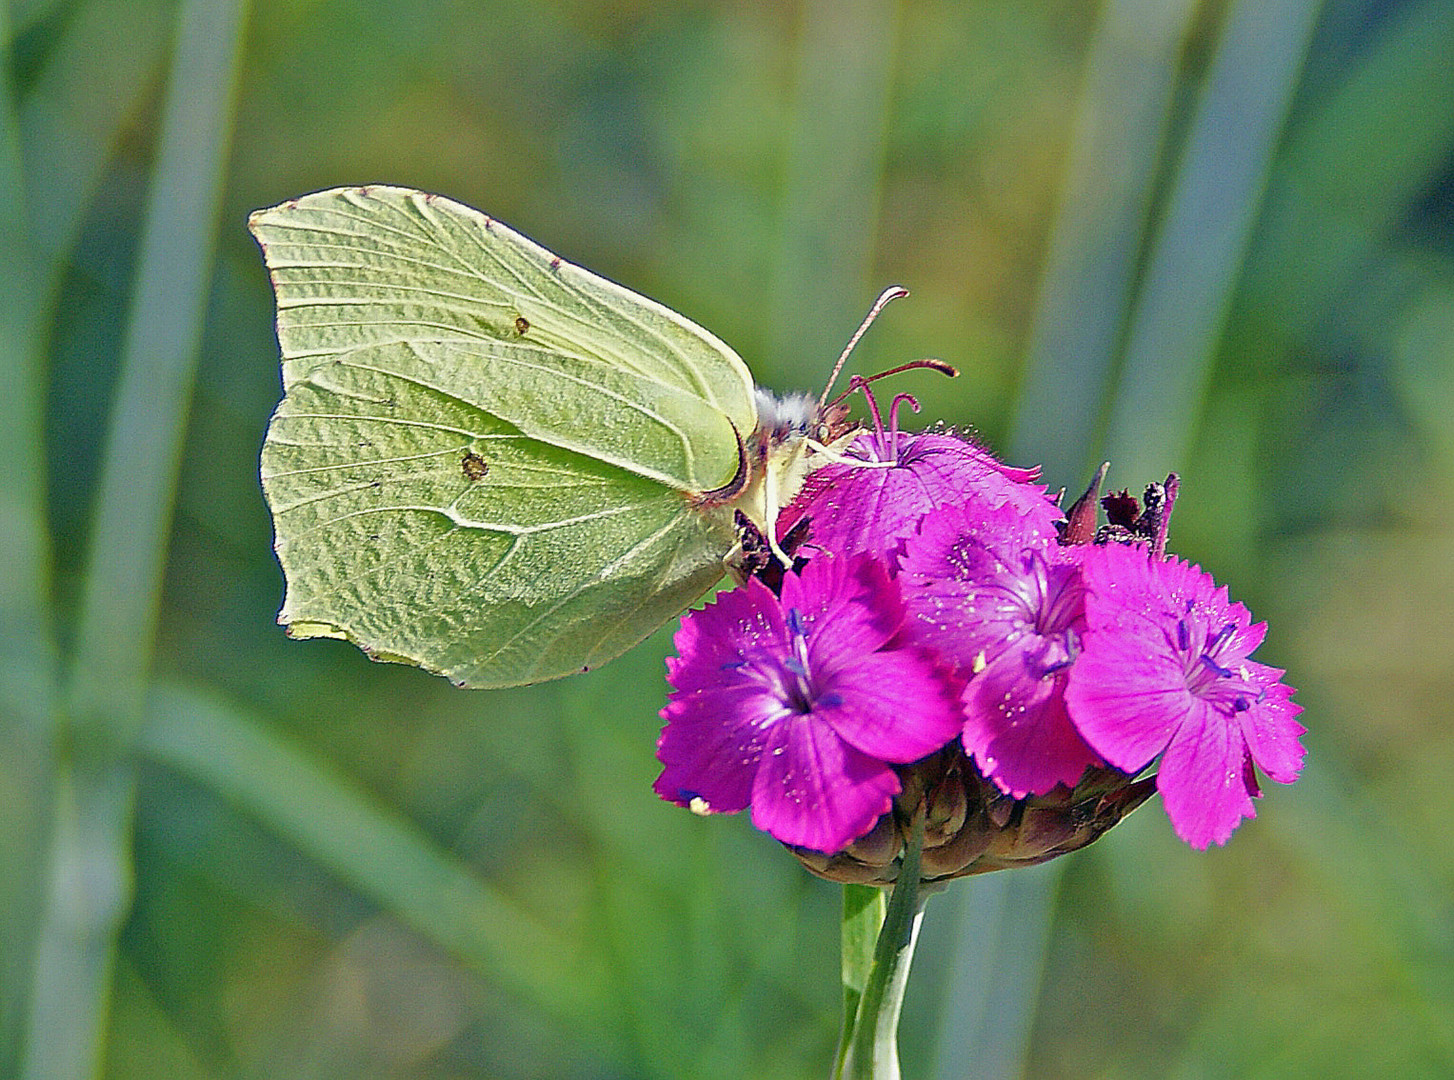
<point>27,643</point>
<point>864,907</point>
<point>834,177</point>
<point>88,886</point>
<point>873,1046</point>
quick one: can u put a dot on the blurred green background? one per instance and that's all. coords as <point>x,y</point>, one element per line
<point>1216,237</point>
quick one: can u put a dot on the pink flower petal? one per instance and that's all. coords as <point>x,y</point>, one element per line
<point>706,759</point>
<point>895,706</point>
<point>1270,730</point>
<point>994,591</point>
<point>874,509</point>
<point>1126,698</point>
<point>1165,670</point>
<point>1203,780</point>
<point>770,695</point>
<point>851,607</point>
<point>815,791</point>
<point>1017,727</point>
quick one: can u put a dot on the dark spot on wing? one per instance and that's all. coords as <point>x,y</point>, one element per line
<point>522,324</point>
<point>555,262</point>
<point>473,466</point>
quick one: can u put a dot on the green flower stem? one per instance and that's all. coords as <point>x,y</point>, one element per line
<point>873,1044</point>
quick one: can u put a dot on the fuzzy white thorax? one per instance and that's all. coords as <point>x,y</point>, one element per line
<point>778,418</point>
<point>784,449</point>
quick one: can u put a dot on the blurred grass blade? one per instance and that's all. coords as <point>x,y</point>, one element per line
<point>995,973</point>
<point>27,13</point>
<point>1121,122</point>
<point>89,878</point>
<point>147,1042</point>
<point>1171,337</point>
<point>373,850</point>
<point>27,644</point>
<point>26,658</point>
<point>95,79</point>
<point>1361,155</point>
<point>1197,257</point>
<point>158,358</point>
<point>845,68</point>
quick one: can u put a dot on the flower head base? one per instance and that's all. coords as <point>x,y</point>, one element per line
<point>799,705</point>
<point>973,827</point>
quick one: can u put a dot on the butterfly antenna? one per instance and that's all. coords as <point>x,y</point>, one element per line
<point>893,292</point>
<point>913,365</point>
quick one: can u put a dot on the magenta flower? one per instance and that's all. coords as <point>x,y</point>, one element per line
<point>1165,671</point>
<point>876,506</point>
<point>799,706</point>
<point>994,591</point>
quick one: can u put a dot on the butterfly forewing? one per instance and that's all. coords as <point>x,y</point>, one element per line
<point>566,356</point>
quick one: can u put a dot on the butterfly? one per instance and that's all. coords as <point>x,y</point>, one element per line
<point>490,462</point>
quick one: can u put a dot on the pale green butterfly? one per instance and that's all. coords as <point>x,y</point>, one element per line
<point>490,462</point>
